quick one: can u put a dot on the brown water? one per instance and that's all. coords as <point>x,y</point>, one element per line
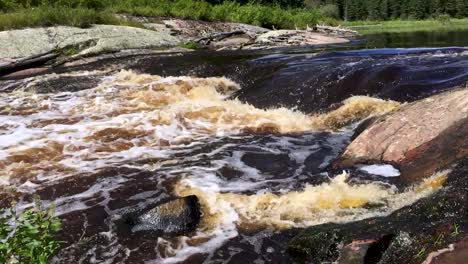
<point>253,139</point>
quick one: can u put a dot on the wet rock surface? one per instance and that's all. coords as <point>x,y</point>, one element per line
<point>177,216</point>
<point>405,236</point>
<point>420,138</point>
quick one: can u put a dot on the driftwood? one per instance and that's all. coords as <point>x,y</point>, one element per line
<point>219,36</point>
<point>28,62</point>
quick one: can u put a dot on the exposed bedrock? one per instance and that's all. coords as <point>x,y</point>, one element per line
<point>95,40</point>
<point>178,216</point>
<point>419,138</point>
<point>409,235</point>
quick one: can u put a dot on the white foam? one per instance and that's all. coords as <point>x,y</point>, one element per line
<point>384,170</point>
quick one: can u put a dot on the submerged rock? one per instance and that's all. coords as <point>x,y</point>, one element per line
<point>420,138</point>
<point>177,216</point>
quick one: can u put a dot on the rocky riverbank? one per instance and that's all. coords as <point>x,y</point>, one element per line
<point>28,48</point>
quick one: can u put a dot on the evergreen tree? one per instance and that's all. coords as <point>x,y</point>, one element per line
<point>384,14</point>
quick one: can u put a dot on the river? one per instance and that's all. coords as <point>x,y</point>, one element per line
<point>252,134</point>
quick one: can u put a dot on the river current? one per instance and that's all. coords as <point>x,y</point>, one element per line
<point>253,139</point>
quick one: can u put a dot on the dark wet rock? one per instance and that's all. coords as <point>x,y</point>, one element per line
<point>420,138</point>
<point>407,235</point>
<point>317,246</point>
<point>181,215</point>
<point>269,163</point>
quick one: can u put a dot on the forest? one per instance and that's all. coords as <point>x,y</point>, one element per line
<point>350,10</point>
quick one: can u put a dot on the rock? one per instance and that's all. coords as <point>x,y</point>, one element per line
<point>411,233</point>
<point>355,252</point>
<point>420,138</point>
<point>254,37</point>
<point>454,254</point>
<point>319,245</point>
<point>89,41</point>
<point>297,38</point>
<point>177,216</point>
<point>194,29</point>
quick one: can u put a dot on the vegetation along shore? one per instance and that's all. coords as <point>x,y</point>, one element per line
<point>366,16</point>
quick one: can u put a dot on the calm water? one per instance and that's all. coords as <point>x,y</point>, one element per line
<point>458,38</point>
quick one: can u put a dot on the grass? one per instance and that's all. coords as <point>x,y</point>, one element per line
<point>189,45</point>
<point>16,14</point>
<point>77,14</point>
<point>51,16</point>
<point>401,26</point>
<point>28,237</point>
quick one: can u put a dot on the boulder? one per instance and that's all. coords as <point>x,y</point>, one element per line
<point>176,216</point>
<point>420,138</point>
<point>85,41</point>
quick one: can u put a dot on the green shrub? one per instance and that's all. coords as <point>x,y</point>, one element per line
<point>84,13</point>
<point>331,11</point>
<point>6,5</point>
<point>443,19</point>
<point>28,237</point>
<point>93,4</point>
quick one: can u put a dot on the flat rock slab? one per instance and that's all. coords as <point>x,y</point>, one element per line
<point>298,38</point>
<point>420,138</point>
<point>94,40</point>
<point>194,29</point>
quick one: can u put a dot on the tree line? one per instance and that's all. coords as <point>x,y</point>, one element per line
<point>348,10</point>
<point>375,9</point>
<point>395,9</point>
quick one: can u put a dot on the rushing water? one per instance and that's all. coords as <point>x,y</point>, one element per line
<point>255,146</point>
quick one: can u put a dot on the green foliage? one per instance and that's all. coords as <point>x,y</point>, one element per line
<point>394,9</point>
<point>7,5</point>
<point>267,13</point>
<point>330,11</point>
<point>399,26</point>
<point>443,19</point>
<point>84,13</point>
<point>189,45</point>
<point>44,16</point>
<point>28,237</point>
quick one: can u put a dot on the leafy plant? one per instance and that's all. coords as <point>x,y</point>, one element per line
<point>28,237</point>
<point>443,19</point>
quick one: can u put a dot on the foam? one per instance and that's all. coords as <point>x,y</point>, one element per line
<point>384,170</point>
<point>130,116</point>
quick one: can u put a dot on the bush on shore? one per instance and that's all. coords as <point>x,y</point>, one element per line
<point>82,13</point>
<point>28,237</point>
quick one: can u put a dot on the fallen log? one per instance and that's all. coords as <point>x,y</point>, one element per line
<point>219,36</point>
